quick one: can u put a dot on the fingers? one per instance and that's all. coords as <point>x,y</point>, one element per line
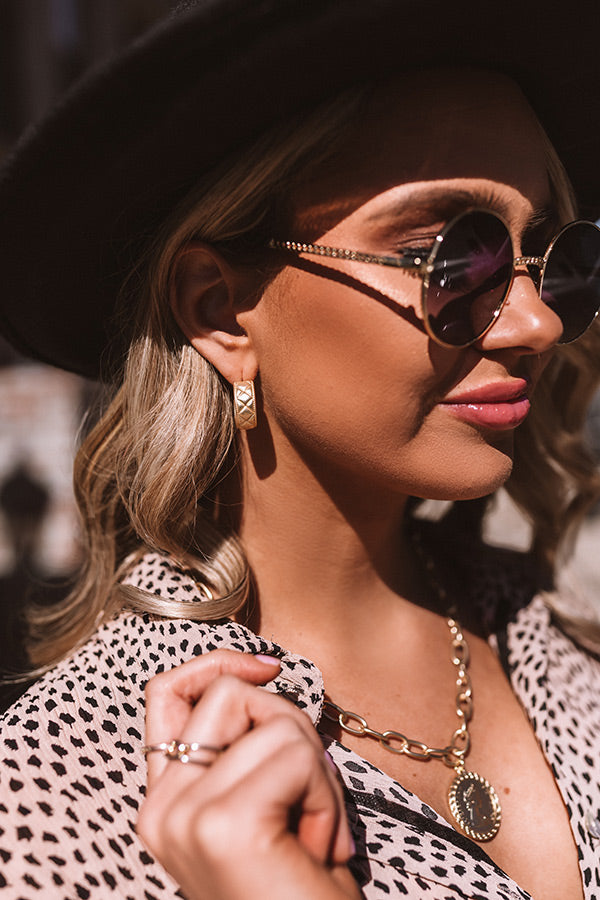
<point>247,820</point>
<point>288,796</point>
<point>271,781</point>
<point>171,696</point>
<point>322,827</point>
<point>233,714</point>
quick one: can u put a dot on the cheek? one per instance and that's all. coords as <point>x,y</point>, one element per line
<point>334,362</point>
<point>350,385</point>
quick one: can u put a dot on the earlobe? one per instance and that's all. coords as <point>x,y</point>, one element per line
<point>203,298</point>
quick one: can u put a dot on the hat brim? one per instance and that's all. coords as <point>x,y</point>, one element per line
<point>86,189</point>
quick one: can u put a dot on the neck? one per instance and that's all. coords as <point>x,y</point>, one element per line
<point>324,550</point>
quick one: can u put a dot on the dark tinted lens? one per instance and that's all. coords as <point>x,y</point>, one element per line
<point>472,270</point>
<point>571,283</point>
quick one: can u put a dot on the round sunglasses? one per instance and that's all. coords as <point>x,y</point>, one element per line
<point>468,273</point>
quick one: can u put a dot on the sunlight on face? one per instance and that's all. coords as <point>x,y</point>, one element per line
<point>349,379</point>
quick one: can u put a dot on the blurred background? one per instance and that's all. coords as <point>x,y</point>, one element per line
<point>44,45</point>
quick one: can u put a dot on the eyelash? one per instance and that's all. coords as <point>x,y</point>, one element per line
<point>413,250</point>
<point>413,254</point>
<point>535,239</point>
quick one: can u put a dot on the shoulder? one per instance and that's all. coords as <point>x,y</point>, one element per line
<point>72,771</point>
<point>108,672</point>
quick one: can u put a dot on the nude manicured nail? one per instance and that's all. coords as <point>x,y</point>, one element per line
<point>269,660</point>
<point>330,762</point>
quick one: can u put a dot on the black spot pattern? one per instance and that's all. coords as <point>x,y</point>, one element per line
<point>560,689</point>
<point>72,773</point>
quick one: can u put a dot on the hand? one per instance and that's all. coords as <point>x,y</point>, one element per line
<point>266,818</point>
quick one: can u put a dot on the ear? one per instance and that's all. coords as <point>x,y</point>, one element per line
<point>206,298</point>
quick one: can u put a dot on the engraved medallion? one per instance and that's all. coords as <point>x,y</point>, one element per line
<point>475,806</point>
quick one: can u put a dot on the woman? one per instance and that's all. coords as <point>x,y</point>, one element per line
<point>364,285</point>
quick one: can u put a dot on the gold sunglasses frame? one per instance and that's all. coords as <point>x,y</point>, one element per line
<point>425,267</point>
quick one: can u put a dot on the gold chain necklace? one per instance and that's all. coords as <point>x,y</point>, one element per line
<point>473,802</point>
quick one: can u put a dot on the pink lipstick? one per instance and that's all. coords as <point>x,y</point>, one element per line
<point>498,405</point>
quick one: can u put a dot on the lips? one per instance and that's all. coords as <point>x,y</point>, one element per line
<point>497,405</point>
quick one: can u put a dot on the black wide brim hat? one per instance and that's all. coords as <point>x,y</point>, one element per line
<point>86,189</point>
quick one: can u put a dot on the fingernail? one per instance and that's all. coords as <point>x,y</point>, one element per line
<point>330,762</point>
<point>269,660</point>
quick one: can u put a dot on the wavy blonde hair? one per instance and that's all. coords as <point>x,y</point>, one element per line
<point>147,476</point>
<point>555,479</point>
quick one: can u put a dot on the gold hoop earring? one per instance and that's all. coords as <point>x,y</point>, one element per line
<point>244,405</point>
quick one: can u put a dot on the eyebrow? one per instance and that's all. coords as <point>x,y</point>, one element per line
<point>417,208</point>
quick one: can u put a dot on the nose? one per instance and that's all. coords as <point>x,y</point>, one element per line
<point>525,323</point>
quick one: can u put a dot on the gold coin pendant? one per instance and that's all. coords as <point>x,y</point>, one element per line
<point>475,806</point>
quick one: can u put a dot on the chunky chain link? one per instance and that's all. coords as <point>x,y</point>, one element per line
<point>454,753</point>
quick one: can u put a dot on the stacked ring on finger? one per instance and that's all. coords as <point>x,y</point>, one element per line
<point>181,751</point>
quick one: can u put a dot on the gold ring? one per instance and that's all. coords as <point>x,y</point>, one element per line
<point>180,751</point>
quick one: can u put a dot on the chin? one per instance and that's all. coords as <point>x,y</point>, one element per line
<point>469,479</point>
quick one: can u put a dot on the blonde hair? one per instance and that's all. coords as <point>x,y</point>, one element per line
<point>147,476</point>
<point>555,479</point>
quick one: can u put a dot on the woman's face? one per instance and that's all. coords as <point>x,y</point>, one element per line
<point>349,378</point>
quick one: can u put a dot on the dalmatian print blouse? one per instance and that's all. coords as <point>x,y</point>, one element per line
<point>72,772</point>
